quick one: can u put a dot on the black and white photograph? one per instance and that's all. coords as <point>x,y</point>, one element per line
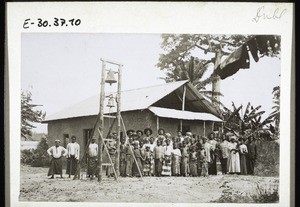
<point>151,117</point>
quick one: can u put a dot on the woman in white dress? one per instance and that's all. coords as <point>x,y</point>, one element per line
<point>234,157</point>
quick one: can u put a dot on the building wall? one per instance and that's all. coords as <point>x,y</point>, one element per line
<point>136,120</point>
<point>71,127</point>
<point>196,127</point>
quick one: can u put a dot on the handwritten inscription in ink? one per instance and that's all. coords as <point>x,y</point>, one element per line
<point>56,22</point>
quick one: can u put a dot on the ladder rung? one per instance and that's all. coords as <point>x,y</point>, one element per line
<point>106,164</point>
<point>108,139</point>
<point>109,116</point>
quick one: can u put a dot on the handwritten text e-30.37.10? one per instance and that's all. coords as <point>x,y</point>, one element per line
<point>56,22</point>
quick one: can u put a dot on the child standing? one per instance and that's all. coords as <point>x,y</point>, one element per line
<point>203,162</point>
<point>193,161</point>
<point>147,162</point>
<point>184,159</point>
<point>159,153</point>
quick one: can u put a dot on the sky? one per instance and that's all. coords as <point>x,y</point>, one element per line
<point>61,69</point>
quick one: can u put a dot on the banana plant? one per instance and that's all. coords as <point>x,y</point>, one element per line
<point>247,122</point>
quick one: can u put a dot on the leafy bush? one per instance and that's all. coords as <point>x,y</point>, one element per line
<point>27,156</point>
<point>37,157</point>
<point>263,195</point>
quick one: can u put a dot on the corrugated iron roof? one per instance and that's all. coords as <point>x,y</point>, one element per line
<point>136,99</point>
<point>186,115</point>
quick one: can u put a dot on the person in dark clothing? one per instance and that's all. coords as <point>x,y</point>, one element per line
<point>252,155</point>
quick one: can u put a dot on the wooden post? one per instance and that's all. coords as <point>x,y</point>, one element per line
<point>157,123</point>
<point>222,126</point>
<point>203,127</point>
<point>117,162</point>
<point>101,122</point>
<point>216,83</point>
<point>183,104</point>
<point>110,160</point>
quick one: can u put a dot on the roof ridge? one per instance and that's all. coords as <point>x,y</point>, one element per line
<point>134,89</point>
<point>162,84</point>
<point>171,86</point>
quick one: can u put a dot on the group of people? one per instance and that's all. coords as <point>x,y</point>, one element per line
<point>142,154</point>
<point>57,152</point>
<point>188,155</point>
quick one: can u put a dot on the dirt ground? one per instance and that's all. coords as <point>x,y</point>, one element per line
<point>35,186</point>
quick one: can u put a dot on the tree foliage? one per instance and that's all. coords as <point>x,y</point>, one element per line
<point>248,122</point>
<point>29,115</point>
<point>275,115</point>
<point>180,62</point>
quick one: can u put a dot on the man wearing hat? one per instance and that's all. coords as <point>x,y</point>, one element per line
<point>130,132</point>
<point>92,156</point>
<point>56,152</point>
<point>140,137</point>
<point>148,133</point>
<point>73,156</point>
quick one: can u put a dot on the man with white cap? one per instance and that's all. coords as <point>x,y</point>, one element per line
<point>188,137</point>
<point>56,152</point>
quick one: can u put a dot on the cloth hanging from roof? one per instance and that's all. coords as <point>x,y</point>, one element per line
<point>253,47</point>
<point>235,61</point>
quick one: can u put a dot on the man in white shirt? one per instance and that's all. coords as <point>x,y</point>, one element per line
<point>224,153</point>
<point>207,147</point>
<point>73,156</point>
<point>92,159</point>
<point>56,152</point>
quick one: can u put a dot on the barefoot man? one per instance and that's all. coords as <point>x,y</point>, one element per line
<point>92,159</point>
<point>73,156</point>
<point>56,152</point>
